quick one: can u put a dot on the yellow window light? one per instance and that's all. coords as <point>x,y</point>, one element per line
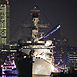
<point>1,66</point>
<point>7,2</point>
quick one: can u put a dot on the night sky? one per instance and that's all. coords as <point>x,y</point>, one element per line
<point>62,12</point>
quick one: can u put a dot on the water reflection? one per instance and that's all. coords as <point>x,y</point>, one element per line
<point>8,76</point>
<point>39,76</point>
<point>25,76</point>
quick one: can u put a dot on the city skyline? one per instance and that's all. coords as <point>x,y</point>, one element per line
<point>26,39</point>
<point>58,12</point>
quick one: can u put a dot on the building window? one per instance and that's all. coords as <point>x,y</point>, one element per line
<point>3,40</point>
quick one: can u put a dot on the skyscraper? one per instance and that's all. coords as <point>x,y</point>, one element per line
<point>4,23</point>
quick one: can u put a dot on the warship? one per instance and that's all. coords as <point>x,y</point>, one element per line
<point>35,56</point>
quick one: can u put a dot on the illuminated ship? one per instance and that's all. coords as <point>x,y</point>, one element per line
<point>36,55</point>
<point>9,68</point>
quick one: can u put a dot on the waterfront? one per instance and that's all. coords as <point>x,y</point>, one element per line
<point>57,54</point>
<point>39,76</point>
<point>25,76</point>
<point>54,75</point>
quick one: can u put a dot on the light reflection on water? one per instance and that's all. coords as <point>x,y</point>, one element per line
<point>8,76</point>
<point>25,76</point>
<point>39,76</point>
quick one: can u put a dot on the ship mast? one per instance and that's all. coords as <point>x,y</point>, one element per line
<point>35,19</point>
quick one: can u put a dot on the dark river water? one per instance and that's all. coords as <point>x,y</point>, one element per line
<point>24,76</point>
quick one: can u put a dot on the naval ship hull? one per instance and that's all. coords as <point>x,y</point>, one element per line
<point>28,67</point>
<point>41,67</point>
<point>37,61</point>
<point>24,66</point>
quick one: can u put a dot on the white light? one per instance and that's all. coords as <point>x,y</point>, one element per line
<point>52,68</point>
<point>24,56</point>
<point>59,26</point>
<point>34,7</point>
<point>48,43</point>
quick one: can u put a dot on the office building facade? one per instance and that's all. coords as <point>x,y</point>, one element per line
<point>4,23</point>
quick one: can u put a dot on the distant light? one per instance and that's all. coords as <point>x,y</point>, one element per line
<point>7,2</point>
<point>74,52</point>
<point>31,14</point>
<point>24,56</point>
<point>34,7</point>
<point>71,48</point>
<point>38,13</point>
<point>53,38</point>
<point>1,66</point>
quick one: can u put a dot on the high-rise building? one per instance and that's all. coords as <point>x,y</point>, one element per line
<point>4,23</point>
<point>72,57</point>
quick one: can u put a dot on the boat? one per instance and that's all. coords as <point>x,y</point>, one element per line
<point>9,68</point>
<point>35,56</point>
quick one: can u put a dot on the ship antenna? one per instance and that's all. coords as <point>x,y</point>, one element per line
<point>35,2</point>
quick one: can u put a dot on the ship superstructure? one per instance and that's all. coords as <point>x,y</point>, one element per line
<point>36,54</point>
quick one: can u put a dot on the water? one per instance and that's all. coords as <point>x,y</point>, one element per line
<point>8,76</point>
<point>39,76</point>
<point>24,76</point>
